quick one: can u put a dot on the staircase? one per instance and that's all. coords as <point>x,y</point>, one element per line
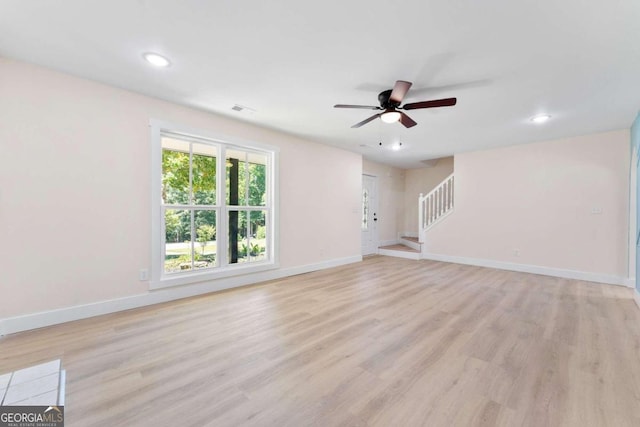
<point>432,208</point>
<point>407,247</point>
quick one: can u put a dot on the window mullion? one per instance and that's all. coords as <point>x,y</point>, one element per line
<point>224,215</point>
<point>191,174</point>
<point>247,200</point>
<point>191,204</point>
<point>248,232</point>
<point>163,233</point>
<point>193,237</point>
<point>246,178</point>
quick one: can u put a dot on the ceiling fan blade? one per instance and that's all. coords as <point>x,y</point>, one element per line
<point>400,89</point>
<point>447,102</point>
<point>363,107</point>
<point>365,121</point>
<point>407,121</point>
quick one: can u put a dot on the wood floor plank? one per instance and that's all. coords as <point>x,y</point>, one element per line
<point>387,341</point>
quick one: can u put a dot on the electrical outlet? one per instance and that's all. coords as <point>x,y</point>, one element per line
<point>516,252</point>
<point>144,274</point>
<point>596,210</point>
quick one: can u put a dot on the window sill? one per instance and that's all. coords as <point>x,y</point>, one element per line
<point>182,279</point>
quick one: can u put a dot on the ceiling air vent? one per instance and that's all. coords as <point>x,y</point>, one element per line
<point>243,109</point>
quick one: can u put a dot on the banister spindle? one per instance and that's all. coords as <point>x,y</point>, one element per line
<point>446,196</point>
<point>435,205</point>
<point>430,209</point>
<point>452,191</point>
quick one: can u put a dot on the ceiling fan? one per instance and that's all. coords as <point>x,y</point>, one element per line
<point>390,101</point>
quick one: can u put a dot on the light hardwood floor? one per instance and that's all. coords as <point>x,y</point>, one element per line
<point>385,342</point>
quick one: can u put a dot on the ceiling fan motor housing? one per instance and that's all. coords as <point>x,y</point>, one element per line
<point>385,103</point>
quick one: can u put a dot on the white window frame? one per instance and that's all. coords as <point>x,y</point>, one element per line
<point>158,278</point>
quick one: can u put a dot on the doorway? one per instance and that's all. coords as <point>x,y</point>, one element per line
<point>369,224</point>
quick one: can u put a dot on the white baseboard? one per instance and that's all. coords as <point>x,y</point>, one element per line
<point>636,297</point>
<point>534,269</point>
<point>12,325</point>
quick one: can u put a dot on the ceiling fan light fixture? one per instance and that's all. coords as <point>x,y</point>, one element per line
<point>390,116</point>
<point>540,118</point>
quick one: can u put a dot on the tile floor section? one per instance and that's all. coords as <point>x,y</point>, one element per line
<point>33,386</point>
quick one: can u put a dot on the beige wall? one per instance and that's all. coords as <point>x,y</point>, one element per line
<point>75,202</point>
<point>390,199</point>
<point>537,199</point>
<point>418,181</point>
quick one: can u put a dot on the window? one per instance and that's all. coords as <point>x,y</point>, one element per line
<point>365,209</point>
<point>214,215</point>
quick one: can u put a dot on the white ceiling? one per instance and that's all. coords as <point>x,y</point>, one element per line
<point>292,60</point>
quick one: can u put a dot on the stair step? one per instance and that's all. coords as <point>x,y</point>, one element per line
<point>411,239</point>
<point>399,247</point>
<point>400,251</point>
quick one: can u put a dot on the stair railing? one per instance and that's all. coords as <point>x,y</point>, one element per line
<point>434,206</point>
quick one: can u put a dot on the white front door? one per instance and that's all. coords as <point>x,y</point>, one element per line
<point>369,215</point>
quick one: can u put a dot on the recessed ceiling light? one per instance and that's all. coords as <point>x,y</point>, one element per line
<point>540,118</point>
<point>156,59</point>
